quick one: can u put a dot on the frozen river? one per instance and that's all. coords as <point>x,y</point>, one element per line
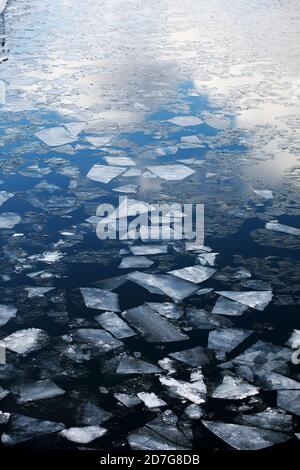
<point>112,344</point>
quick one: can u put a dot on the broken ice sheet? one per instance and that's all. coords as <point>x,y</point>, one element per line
<point>264,193</point>
<point>39,390</point>
<point>4,196</point>
<point>171,172</point>
<point>151,400</point>
<point>225,306</point>
<point>119,161</point>
<point>3,393</point>
<point>104,173</point>
<point>9,220</point>
<point>128,400</point>
<point>100,299</point>
<point>197,356</point>
<point>98,141</point>
<point>152,326</point>
<point>25,341</point>
<point>277,227</point>
<point>149,250</point>
<point>37,291</point>
<point>132,365</point>
<point>207,259</point>
<point>265,355</point>
<point>234,388</point>
<point>7,312</point>
<point>83,435</point>
<point>289,400</point>
<point>203,320</point>
<point>161,433</point>
<point>129,262</point>
<point>55,136</point>
<point>274,381</point>
<point>176,289</point>
<point>273,419</point>
<point>254,299</point>
<point>227,339</point>
<point>128,188</point>
<point>186,121</point>
<point>100,339</point>
<point>115,325</point>
<point>191,391</point>
<point>24,428</point>
<point>195,274</point>
<point>245,437</point>
<point>166,309</point>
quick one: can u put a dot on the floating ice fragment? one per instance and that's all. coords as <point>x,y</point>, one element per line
<point>273,419</point>
<point>100,299</point>
<point>83,435</point>
<point>202,320</point>
<point>151,400</point>
<point>195,274</point>
<point>4,417</point>
<point>207,259</point>
<point>245,437</point>
<point>254,299</point>
<point>274,381</point>
<point>7,312</point>
<point>103,173</point>
<point>149,250</point>
<point>119,161</point>
<point>75,127</point>
<point>194,411</point>
<point>176,289</point>
<point>227,339</point>
<point>128,188</point>
<point>171,172</point>
<point>39,390</point>
<point>197,356</point>
<point>91,414</point>
<point>23,428</point>
<point>37,291</point>
<point>4,196</point>
<point>131,365</point>
<point>225,306</point>
<point>166,309</point>
<point>265,193</point>
<point>277,227</point>
<point>186,121</point>
<point>294,340</point>
<point>264,355</point>
<point>3,393</point>
<point>25,341</point>
<point>100,339</point>
<point>289,400</point>
<point>55,136</point>
<point>234,388</point>
<point>98,141</point>
<point>9,220</point>
<point>152,326</point>
<point>135,262</point>
<point>115,325</point>
<point>194,392</point>
<point>128,400</point>
<point>49,257</point>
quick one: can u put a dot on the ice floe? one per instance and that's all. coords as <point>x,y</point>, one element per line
<point>115,325</point>
<point>55,136</point>
<point>83,435</point>
<point>171,172</point>
<point>186,121</point>
<point>103,173</point>
<point>100,299</point>
<point>254,299</point>
<point>25,341</point>
<point>7,312</point>
<point>195,274</point>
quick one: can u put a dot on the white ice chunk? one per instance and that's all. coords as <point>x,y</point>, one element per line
<point>9,220</point>
<point>207,259</point>
<point>254,299</point>
<point>98,141</point>
<point>186,121</point>
<point>171,172</point>
<point>39,390</point>
<point>100,299</point>
<point>234,388</point>
<point>226,339</point>
<point>55,136</point>
<point>225,306</point>
<point>128,188</point>
<point>194,392</point>
<point>149,250</point>
<point>277,227</point>
<point>83,435</point>
<point>135,262</point>
<point>245,437</point>
<point>115,325</point>
<point>4,196</point>
<point>98,338</point>
<point>104,173</point>
<point>119,161</point>
<point>151,400</point>
<point>37,291</point>
<point>195,274</point>
<point>131,365</point>
<point>25,341</point>
<point>294,340</point>
<point>7,312</point>
<point>264,193</point>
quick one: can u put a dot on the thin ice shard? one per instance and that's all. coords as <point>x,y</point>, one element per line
<point>254,299</point>
<point>25,341</point>
<point>40,390</point>
<point>100,299</point>
<point>131,365</point>
<point>115,325</point>
<point>55,136</point>
<point>245,437</point>
<point>186,121</point>
<point>195,274</point>
<point>227,339</point>
<point>24,428</point>
<point>104,174</point>
<point>234,388</point>
<point>129,262</point>
<point>229,307</point>
<point>151,400</point>
<point>171,172</point>
<point>281,228</point>
<point>149,250</point>
<point>99,339</point>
